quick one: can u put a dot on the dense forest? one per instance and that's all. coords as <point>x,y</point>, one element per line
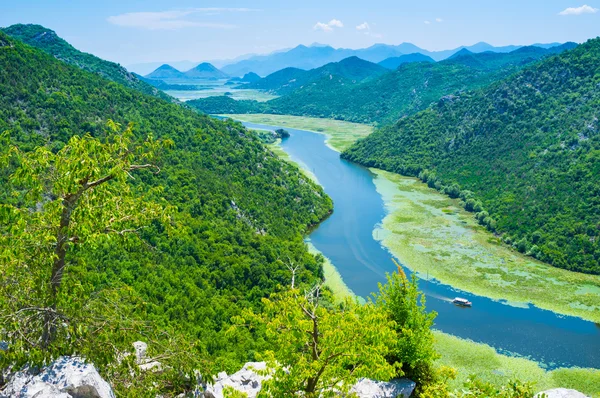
<point>523,153</point>
<point>240,211</point>
<point>285,81</point>
<point>385,98</point>
<point>47,40</point>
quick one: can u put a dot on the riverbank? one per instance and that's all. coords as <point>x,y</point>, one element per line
<point>340,134</point>
<point>432,235</point>
<point>470,358</point>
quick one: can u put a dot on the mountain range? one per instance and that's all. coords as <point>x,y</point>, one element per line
<point>317,55</point>
<point>203,71</point>
<point>523,152</point>
<point>385,97</point>
<point>287,80</point>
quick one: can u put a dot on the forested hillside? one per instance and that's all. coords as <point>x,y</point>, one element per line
<point>47,40</point>
<point>239,211</point>
<point>524,153</point>
<point>351,70</point>
<point>392,95</point>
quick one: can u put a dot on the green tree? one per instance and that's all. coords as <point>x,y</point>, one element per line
<point>316,349</point>
<point>62,203</point>
<point>403,303</point>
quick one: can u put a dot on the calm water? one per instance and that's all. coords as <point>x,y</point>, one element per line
<point>346,238</point>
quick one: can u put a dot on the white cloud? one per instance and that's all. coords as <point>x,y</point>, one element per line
<point>322,26</point>
<point>336,23</point>
<point>329,26</point>
<point>363,26</point>
<point>171,20</point>
<point>439,20</point>
<point>584,9</point>
<point>427,22</point>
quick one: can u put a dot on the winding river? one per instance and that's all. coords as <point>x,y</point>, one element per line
<point>346,238</point>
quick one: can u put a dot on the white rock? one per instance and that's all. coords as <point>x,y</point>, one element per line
<point>561,393</point>
<point>366,388</point>
<point>67,377</point>
<point>246,381</point>
<point>141,349</point>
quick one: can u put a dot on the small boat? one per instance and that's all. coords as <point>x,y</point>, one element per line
<point>462,302</point>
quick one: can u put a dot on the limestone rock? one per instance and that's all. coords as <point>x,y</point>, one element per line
<point>561,393</point>
<point>246,380</point>
<point>141,349</point>
<point>141,358</point>
<point>67,377</point>
<point>366,388</point>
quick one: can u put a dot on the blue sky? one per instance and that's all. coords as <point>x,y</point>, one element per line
<point>151,30</point>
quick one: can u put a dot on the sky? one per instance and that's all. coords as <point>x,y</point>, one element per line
<point>140,31</point>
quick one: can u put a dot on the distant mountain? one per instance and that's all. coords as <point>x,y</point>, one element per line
<point>387,97</point>
<point>351,70</point>
<point>205,70</point>
<point>165,72</point>
<point>523,152</point>
<point>250,78</point>
<point>48,41</point>
<point>394,62</point>
<point>304,57</point>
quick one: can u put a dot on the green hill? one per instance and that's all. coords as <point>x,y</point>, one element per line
<point>165,72</point>
<point>239,208</point>
<point>527,147</point>
<point>48,41</point>
<point>394,62</point>
<point>352,70</point>
<point>205,71</point>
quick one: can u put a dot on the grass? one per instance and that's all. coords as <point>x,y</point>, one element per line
<point>340,135</point>
<point>471,358</point>
<point>333,279</point>
<point>431,233</point>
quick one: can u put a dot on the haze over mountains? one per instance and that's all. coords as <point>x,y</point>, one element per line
<point>316,55</point>
<point>379,97</point>
<point>204,70</point>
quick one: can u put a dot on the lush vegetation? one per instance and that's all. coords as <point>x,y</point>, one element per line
<point>522,153</point>
<point>389,96</point>
<point>350,70</point>
<point>47,40</point>
<point>238,211</point>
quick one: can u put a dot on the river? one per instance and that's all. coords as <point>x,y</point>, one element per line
<point>346,238</point>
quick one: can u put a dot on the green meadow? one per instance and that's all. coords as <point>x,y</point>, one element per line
<point>432,235</point>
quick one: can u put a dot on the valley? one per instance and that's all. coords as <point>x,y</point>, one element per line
<point>380,221</point>
<point>436,224</point>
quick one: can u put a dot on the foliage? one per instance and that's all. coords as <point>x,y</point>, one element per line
<point>63,203</point>
<point>404,304</point>
<point>47,40</point>
<point>477,388</point>
<point>524,153</point>
<point>316,349</point>
<point>238,210</point>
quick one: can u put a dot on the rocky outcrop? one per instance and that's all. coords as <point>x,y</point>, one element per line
<point>142,359</point>
<point>401,388</point>
<point>246,380</point>
<point>249,382</point>
<point>561,393</point>
<point>67,377</point>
